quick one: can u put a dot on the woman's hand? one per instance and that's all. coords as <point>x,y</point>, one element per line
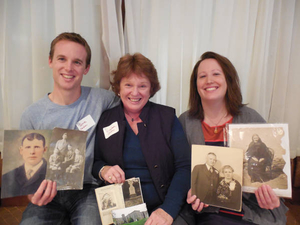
<point>266,197</point>
<point>195,202</point>
<point>44,194</point>
<point>113,174</point>
<point>159,217</point>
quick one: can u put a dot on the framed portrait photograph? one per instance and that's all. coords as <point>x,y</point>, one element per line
<point>217,175</point>
<point>266,155</point>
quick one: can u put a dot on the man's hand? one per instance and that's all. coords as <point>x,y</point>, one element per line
<point>195,202</point>
<point>159,217</point>
<point>44,194</point>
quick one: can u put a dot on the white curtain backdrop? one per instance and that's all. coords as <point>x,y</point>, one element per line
<point>260,37</point>
<point>27,28</point>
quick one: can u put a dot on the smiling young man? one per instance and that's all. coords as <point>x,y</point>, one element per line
<point>26,178</point>
<point>69,106</point>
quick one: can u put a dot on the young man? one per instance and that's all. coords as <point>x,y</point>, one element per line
<point>71,106</point>
<point>27,178</point>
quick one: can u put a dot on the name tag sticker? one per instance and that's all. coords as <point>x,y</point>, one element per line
<point>85,123</point>
<point>111,129</point>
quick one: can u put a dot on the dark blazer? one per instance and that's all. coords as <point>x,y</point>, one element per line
<point>15,183</point>
<point>204,183</point>
<point>155,138</point>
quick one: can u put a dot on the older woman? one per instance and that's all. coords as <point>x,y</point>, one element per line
<point>229,190</point>
<point>142,139</point>
<point>215,100</point>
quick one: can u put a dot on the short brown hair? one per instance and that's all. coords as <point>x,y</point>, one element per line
<point>138,64</point>
<point>32,136</point>
<point>233,96</point>
<point>212,153</point>
<point>75,38</point>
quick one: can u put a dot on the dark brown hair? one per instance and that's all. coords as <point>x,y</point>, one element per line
<point>33,136</point>
<point>233,96</point>
<point>75,38</point>
<point>139,65</point>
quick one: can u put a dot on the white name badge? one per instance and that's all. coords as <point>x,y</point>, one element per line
<point>111,129</point>
<point>85,123</point>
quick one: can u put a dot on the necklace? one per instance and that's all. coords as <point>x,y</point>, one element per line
<point>131,118</point>
<point>217,124</point>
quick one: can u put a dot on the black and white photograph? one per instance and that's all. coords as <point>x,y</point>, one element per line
<point>118,196</point>
<point>109,197</point>
<point>24,162</point>
<point>108,201</point>
<point>132,192</point>
<point>130,215</point>
<point>266,155</point>
<point>217,176</point>
<point>66,158</point>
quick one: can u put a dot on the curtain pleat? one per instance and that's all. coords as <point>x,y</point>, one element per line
<point>261,38</point>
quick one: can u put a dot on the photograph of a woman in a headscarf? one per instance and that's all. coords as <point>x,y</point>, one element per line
<point>260,159</point>
<point>266,156</point>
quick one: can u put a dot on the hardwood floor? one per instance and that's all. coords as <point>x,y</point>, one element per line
<point>11,215</point>
<point>293,215</point>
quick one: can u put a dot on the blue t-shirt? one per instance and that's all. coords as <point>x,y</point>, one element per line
<point>46,115</point>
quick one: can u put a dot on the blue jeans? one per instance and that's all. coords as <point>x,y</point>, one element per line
<point>70,206</point>
<point>219,219</point>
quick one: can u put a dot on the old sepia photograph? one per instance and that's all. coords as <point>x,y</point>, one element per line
<point>30,156</point>
<point>130,215</point>
<point>109,198</point>
<point>266,155</point>
<point>132,192</point>
<point>118,196</point>
<point>24,161</point>
<point>66,158</point>
<point>217,176</point>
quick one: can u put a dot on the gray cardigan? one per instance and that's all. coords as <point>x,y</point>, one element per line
<point>252,211</point>
<point>193,128</point>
